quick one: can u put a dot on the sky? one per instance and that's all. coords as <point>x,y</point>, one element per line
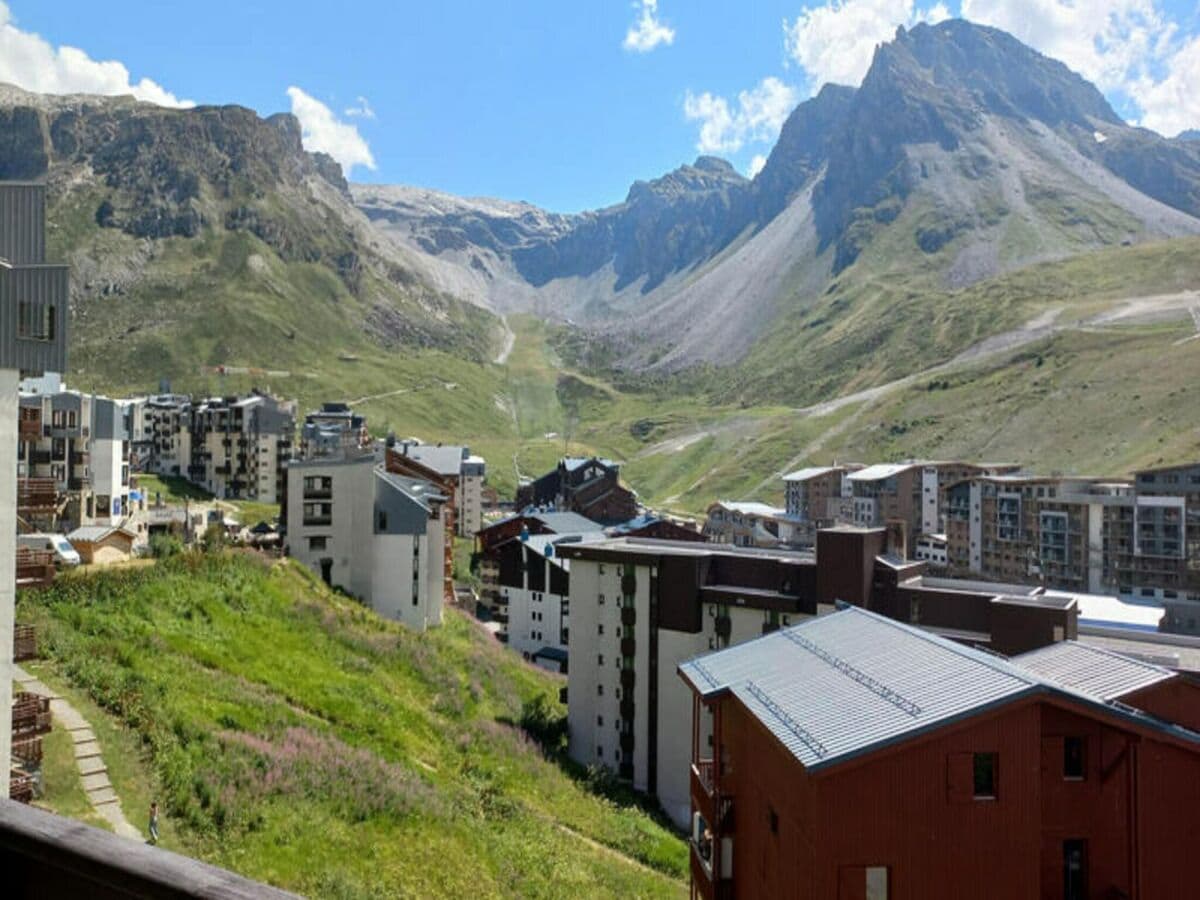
<point>562,103</point>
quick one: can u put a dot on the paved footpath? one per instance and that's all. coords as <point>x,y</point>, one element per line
<point>92,770</point>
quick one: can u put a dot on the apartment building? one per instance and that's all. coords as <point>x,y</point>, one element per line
<point>499,579</point>
<point>752,525</point>
<point>812,497</point>
<point>586,485</point>
<point>640,607</point>
<point>77,445</point>
<point>34,299</point>
<point>333,430</point>
<point>534,589</point>
<point>856,756</point>
<point>162,433</point>
<point>459,465</point>
<point>375,534</point>
<point>1131,538</point>
<point>910,494</point>
<point>240,445</point>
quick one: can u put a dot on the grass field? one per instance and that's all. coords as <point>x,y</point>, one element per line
<point>295,737</point>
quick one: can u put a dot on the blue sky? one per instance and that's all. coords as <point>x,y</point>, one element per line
<point>561,103</point>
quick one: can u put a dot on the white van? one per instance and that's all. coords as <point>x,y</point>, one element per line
<point>64,553</point>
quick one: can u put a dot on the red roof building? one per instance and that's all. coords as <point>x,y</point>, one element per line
<point>858,758</point>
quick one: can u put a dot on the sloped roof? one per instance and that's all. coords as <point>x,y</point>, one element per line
<point>752,509</point>
<point>839,685</point>
<point>1091,670</point>
<point>443,459</point>
<point>880,471</point>
<point>810,472</point>
<point>415,489</point>
<point>90,534</point>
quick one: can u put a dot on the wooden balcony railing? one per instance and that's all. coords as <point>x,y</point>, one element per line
<point>36,494</point>
<point>35,568</point>
<point>24,643</point>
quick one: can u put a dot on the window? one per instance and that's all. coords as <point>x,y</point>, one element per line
<point>601,600</point>
<point>600,660</point>
<point>985,776</point>
<point>599,690</point>
<point>35,322</point>
<point>600,721</point>
<point>381,520</point>
<point>773,819</point>
<point>599,751</point>
<point>600,628</point>
<point>1074,758</point>
<point>1074,869</point>
<point>317,543</point>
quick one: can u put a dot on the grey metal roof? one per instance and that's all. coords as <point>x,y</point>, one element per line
<point>443,459</point>
<point>566,522</point>
<point>1092,670</point>
<point>92,533</point>
<point>415,489</point>
<point>839,685</point>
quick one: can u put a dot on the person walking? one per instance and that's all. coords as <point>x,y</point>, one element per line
<point>154,822</point>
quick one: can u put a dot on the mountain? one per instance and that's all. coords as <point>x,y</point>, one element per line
<point>209,236</point>
<point>963,155</point>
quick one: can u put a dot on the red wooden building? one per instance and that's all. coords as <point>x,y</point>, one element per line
<point>858,758</point>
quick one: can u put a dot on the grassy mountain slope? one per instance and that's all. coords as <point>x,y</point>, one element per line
<point>301,740</point>
<point>209,236</point>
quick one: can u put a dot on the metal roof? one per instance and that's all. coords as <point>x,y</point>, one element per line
<point>1101,673</point>
<point>880,471</point>
<point>443,459</point>
<point>810,472</point>
<point>839,685</point>
<point>91,534</point>
<point>750,508</point>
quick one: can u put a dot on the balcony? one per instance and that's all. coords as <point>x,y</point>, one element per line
<point>628,679</point>
<point>36,494</point>
<point>628,646</point>
<point>318,493</point>
<point>710,885</point>
<point>626,741</point>
<point>628,585</point>
<point>628,615</point>
<point>50,856</point>
<point>627,709</point>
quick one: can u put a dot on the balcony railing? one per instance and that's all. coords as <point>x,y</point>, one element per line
<point>36,494</point>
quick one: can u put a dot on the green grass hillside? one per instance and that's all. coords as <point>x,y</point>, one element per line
<point>295,737</point>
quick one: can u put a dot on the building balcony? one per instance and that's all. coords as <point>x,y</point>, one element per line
<point>628,585</point>
<point>628,615</point>
<point>707,882</point>
<point>318,494</point>
<point>626,741</point>
<point>628,646</point>
<point>628,679</point>
<point>36,494</point>
<point>321,522</point>
<point>628,709</point>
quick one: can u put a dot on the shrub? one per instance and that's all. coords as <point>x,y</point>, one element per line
<point>545,723</point>
<point>164,546</point>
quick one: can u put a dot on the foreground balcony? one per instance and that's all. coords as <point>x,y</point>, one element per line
<point>45,856</point>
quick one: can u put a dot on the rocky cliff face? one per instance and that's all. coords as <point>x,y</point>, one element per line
<point>151,177</point>
<point>963,154</point>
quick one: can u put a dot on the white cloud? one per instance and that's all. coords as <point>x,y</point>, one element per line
<point>756,165</point>
<point>321,131</point>
<point>361,109</point>
<point>1109,42</point>
<point>756,117</point>
<point>647,30</point>
<point>30,62</point>
<point>1172,105</point>
<point>835,42</point>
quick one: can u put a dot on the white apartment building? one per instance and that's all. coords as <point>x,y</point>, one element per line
<point>239,446</point>
<point>162,433</point>
<point>534,585</point>
<point>79,441</point>
<point>374,534</point>
<point>638,608</point>
<point>460,466</point>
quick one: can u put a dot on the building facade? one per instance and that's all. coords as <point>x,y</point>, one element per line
<point>240,446</point>
<point>753,525</point>
<point>459,469</point>
<point>589,486</point>
<point>34,299</point>
<point>78,443</point>
<point>374,534</point>
<point>854,756</point>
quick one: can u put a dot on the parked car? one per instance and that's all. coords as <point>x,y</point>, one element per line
<point>64,553</point>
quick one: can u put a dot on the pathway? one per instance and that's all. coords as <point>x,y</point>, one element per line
<point>510,340</point>
<point>92,770</point>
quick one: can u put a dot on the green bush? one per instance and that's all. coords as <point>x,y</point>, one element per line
<point>164,546</point>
